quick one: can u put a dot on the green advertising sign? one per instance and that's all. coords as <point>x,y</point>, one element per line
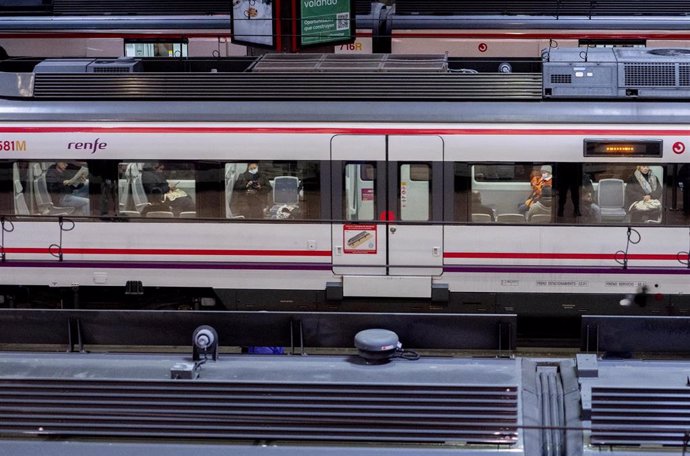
<point>325,21</point>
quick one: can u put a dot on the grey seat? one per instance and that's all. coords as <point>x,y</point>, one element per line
<point>286,190</point>
<point>611,200</point>
<point>188,214</point>
<point>160,214</point>
<point>20,206</point>
<point>481,218</point>
<point>540,218</point>
<point>133,174</point>
<point>510,218</point>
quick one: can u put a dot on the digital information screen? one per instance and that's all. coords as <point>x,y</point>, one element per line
<point>612,148</point>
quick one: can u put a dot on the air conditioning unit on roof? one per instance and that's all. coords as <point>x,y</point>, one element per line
<point>616,73</point>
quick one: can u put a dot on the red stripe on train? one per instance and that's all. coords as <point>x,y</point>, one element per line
<point>201,252</point>
<point>559,256</point>
<point>326,130</point>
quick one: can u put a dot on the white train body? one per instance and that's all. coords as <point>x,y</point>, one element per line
<point>411,252</point>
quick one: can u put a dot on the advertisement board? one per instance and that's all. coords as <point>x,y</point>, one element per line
<point>326,22</point>
<point>253,22</point>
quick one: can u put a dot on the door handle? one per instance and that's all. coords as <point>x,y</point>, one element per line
<point>393,229</point>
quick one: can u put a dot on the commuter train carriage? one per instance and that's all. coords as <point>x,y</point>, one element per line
<point>511,30</point>
<point>377,190</point>
<point>469,28</point>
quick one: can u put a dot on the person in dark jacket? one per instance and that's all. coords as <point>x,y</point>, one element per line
<point>253,188</point>
<point>155,184</point>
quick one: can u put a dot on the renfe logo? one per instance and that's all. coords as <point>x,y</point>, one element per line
<point>92,146</point>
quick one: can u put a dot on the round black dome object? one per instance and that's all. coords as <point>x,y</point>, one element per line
<point>377,344</point>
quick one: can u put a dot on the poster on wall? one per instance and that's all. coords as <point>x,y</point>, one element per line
<point>360,239</point>
<point>326,22</point>
<point>252,22</point>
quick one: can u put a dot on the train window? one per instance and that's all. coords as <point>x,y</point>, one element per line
<point>275,190</point>
<point>155,48</point>
<point>51,188</point>
<point>157,189</point>
<point>615,193</point>
<point>415,191</point>
<point>511,193</point>
<point>359,191</point>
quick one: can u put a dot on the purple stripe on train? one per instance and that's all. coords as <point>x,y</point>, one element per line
<point>166,265</point>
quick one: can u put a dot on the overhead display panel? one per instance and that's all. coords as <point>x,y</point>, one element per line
<point>253,22</point>
<point>326,22</point>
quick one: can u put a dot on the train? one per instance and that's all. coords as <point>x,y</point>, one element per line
<point>509,30</point>
<point>380,191</point>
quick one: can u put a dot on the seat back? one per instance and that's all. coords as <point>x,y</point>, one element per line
<point>611,193</point>
<point>510,218</point>
<point>20,206</point>
<point>230,179</point>
<point>160,214</point>
<point>481,218</point>
<point>540,218</point>
<point>43,200</point>
<point>286,190</point>
<point>139,197</point>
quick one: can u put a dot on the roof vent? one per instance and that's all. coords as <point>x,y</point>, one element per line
<point>352,63</point>
<point>378,346</point>
<point>121,65</point>
<point>670,52</point>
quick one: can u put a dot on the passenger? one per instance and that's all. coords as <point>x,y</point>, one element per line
<point>543,204</point>
<point>591,213</point>
<point>252,188</point>
<point>539,180</point>
<point>568,178</point>
<point>479,208</point>
<point>157,203</point>
<point>684,180</point>
<point>153,177</point>
<point>642,194</point>
<point>65,182</point>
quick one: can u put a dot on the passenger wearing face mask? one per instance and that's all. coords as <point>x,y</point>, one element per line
<point>252,188</point>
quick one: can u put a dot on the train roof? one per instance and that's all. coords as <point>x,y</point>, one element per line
<point>574,85</point>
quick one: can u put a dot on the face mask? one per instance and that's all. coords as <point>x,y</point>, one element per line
<point>254,171</point>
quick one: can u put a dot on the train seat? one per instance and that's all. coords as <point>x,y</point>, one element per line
<point>129,213</point>
<point>43,200</point>
<point>286,190</point>
<point>188,214</point>
<point>20,206</point>
<point>482,218</point>
<point>510,218</point>
<point>123,186</point>
<point>540,218</point>
<point>160,214</point>
<point>139,197</point>
<point>611,200</point>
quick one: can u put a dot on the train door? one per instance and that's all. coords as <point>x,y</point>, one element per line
<point>387,192</point>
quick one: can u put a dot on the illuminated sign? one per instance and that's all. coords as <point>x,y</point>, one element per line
<point>623,148</point>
